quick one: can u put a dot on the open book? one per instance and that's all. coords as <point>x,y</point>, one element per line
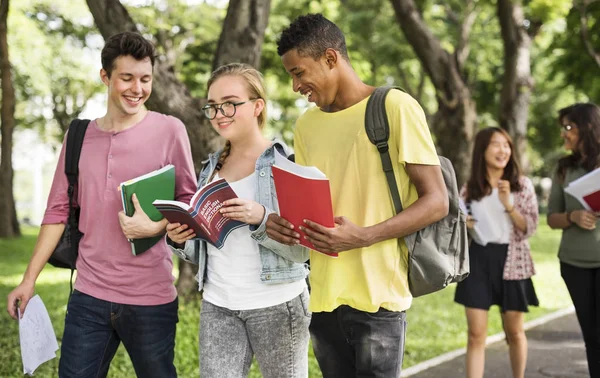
<point>302,193</point>
<point>202,213</point>
<point>586,190</point>
<point>159,184</point>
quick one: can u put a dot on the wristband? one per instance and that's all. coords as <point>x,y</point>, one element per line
<point>568,213</point>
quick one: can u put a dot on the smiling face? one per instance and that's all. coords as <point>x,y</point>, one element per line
<point>312,78</point>
<point>233,89</point>
<point>129,84</point>
<point>570,133</point>
<point>498,152</point>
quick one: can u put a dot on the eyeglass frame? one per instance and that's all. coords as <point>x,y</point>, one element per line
<point>566,127</point>
<point>219,107</point>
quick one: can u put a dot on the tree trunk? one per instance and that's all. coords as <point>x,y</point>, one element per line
<point>243,32</point>
<point>240,41</point>
<point>9,225</point>
<point>516,81</point>
<point>455,120</point>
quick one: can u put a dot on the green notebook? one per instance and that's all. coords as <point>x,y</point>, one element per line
<point>159,184</point>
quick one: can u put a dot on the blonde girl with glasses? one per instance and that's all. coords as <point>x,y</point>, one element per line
<point>579,251</point>
<point>255,299</point>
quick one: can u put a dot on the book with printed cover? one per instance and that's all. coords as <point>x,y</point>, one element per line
<point>202,213</point>
<point>302,193</point>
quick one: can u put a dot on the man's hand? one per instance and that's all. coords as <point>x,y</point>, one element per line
<point>139,225</point>
<point>19,297</point>
<point>281,230</point>
<point>344,237</point>
<point>180,233</point>
<point>243,210</point>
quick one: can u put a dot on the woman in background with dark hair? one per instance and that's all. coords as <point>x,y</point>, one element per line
<point>503,214</point>
<point>579,251</point>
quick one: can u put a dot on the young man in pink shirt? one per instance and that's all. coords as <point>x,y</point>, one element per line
<point>118,297</point>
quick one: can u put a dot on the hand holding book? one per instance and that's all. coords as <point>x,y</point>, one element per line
<point>243,210</point>
<point>202,215</point>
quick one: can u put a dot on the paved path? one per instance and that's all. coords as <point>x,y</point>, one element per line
<point>556,349</point>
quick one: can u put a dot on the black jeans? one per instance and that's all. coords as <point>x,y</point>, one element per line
<point>352,343</point>
<point>584,287</point>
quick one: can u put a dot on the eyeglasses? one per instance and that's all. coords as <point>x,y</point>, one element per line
<point>567,127</point>
<point>227,108</point>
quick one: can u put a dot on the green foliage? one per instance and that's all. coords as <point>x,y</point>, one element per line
<point>570,58</point>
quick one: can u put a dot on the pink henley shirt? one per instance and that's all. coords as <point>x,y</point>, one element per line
<point>106,268</point>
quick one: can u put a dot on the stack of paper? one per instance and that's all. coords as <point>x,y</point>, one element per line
<point>586,190</point>
<point>38,341</point>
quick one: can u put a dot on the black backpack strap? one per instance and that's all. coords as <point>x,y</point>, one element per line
<point>378,131</point>
<point>75,136</point>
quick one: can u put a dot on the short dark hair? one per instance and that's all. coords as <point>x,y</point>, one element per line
<point>586,117</point>
<point>123,44</point>
<point>311,35</point>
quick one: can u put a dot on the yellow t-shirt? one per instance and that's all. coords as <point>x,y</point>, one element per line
<point>337,144</point>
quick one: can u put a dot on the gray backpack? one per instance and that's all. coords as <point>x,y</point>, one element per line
<point>438,254</point>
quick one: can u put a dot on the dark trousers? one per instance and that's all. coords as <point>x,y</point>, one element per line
<point>351,343</point>
<point>584,287</point>
<point>94,329</point>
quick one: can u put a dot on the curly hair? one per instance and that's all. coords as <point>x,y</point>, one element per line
<point>586,154</point>
<point>123,44</point>
<point>478,185</point>
<point>311,35</point>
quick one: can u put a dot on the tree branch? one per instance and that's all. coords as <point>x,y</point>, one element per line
<point>463,49</point>
<point>426,46</point>
<point>585,36</point>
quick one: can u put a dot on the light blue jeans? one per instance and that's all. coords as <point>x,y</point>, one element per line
<point>277,336</point>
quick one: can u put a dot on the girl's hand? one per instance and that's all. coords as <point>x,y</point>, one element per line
<point>504,193</point>
<point>584,219</point>
<point>470,222</point>
<point>246,211</point>
<point>179,233</point>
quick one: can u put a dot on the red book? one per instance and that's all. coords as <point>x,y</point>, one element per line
<point>593,201</point>
<point>586,190</point>
<point>302,193</point>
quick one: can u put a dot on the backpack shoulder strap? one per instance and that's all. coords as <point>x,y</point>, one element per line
<point>378,131</point>
<point>75,136</point>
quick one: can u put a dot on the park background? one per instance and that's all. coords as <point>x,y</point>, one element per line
<point>470,63</point>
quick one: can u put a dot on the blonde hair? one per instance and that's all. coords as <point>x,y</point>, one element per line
<point>256,89</point>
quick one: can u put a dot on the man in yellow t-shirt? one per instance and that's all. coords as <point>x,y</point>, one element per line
<point>359,299</point>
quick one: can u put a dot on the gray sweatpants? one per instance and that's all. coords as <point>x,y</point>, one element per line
<point>277,335</point>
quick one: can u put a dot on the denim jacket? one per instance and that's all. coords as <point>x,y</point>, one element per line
<point>280,263</point>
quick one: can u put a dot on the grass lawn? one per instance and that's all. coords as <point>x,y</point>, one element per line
<point>436,323</point>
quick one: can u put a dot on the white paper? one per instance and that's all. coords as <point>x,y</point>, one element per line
<point>36,335</point>
<point>300,170</point>
<point>583,186</point>
<point>462,206</point>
